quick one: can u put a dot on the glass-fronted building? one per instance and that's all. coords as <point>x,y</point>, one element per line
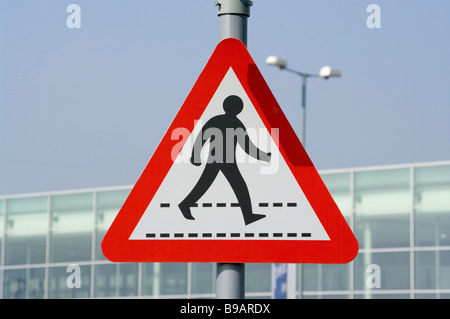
<point>400,215</point>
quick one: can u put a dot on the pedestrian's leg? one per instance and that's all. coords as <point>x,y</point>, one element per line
<point>206,179</point>
<point>240,189</point>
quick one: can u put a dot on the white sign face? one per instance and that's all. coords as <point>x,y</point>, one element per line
<point>246,198</point>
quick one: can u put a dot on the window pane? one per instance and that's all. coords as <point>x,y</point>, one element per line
<point>339,187</point>
<point>1,220</point>
<point>434,295</point>
<point>343,296</point>
<point>432,228</point>
<point>432,201</point>
<point>382,208</point>
<point>393,271</point>
<point>173,278</point>
<point>116,280</point>
<point>379,190</point>
<point>71,227</point>
<point>26,216</point>
<point>73,246</point>
<point>25,249</point>
<point>382,296</point>
<point>203,278</point>
<point>58,288</point>
<point>24,283</point>
<point>258,277</point>
<point>164,279</point>
<point>150,279</point>
<point>325,277</point>
<point>26,230</point>
<point>98,244</point>
<point>432,269</point>
<point>72,212</point>
<point>382,229</point>
<point>1,228</point>
<point>432,187</point>
<point>108,205</point>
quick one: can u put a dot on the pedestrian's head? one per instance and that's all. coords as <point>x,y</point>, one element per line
<point>233,105</point>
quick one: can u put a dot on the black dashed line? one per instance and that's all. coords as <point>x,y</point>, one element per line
<point>277,234</point>
<point>276,204</point>
<point>224,235</point>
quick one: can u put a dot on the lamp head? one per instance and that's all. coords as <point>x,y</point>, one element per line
<point>327,72</point>
<point>276,61</point>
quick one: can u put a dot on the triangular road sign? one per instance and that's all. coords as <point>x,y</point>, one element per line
<point>230,182</point>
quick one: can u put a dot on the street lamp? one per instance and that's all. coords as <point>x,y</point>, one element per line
<point>325,72</point>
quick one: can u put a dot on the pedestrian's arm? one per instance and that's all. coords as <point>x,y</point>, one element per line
<point>252,150</point>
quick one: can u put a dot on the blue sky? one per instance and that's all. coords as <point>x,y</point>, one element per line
<point>87,107</point>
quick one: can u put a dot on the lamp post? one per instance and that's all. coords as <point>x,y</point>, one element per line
<point>325,72</point>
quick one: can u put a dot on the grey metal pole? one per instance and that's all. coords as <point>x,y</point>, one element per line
<point>233,26</point>
<point>233,14</point>
<point>230,283</point>
<point>304,76</point>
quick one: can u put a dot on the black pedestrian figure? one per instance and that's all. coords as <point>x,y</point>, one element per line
<point>224,132</point>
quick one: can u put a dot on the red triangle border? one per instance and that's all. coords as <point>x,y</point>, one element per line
<point>342,246</point>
